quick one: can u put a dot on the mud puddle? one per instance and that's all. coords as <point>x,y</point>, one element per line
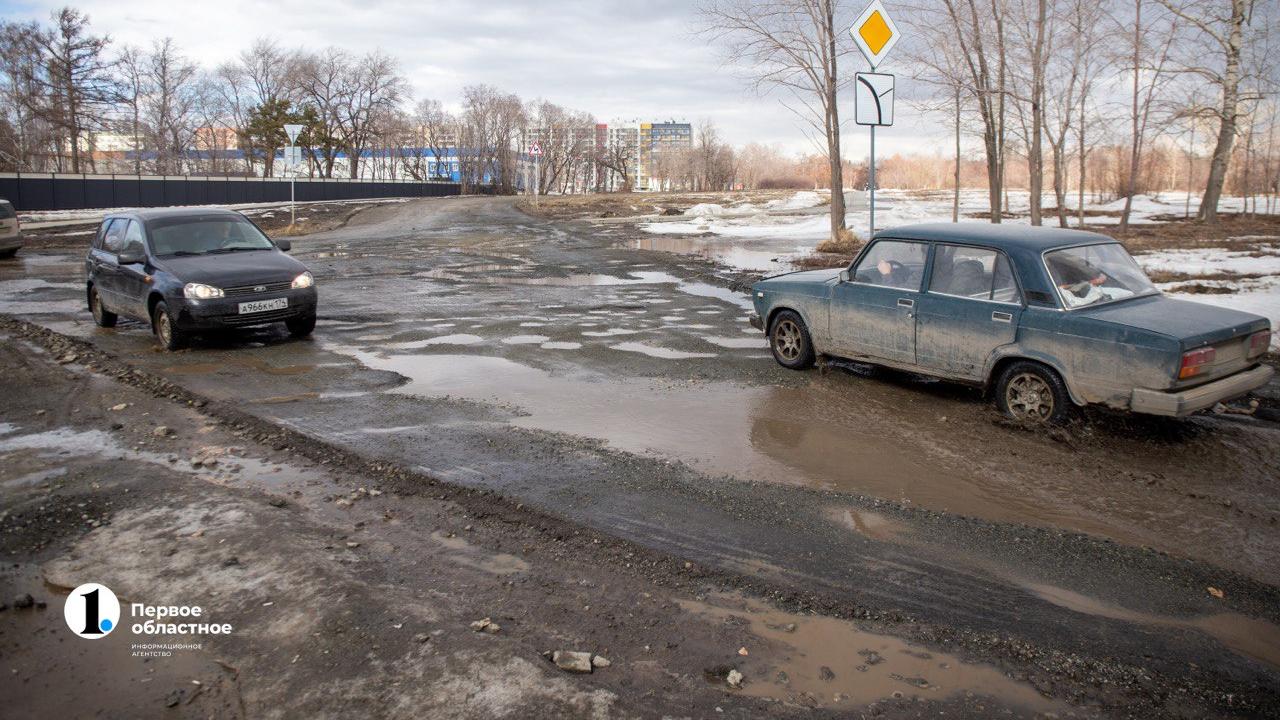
<point>769,434</point>
<point>1251,637</point>
<point>813,660</point>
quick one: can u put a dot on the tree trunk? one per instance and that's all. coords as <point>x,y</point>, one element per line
<point>832,79</point>
<point>1083,152</point>
<point>1136,138</point>
<point>1035,156</point>
<point>955,197</point>
<point>1230,105</point>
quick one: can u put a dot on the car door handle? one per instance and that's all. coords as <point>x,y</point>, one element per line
<point>906,302</point>
<point>1001,317</point>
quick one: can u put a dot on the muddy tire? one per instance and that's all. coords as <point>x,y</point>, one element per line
<point>1031,393</point>
<point>8,254</point>
<point>166,330</point>
<point>789,340</point>
<point>101,315</point>
<point>301,327</point>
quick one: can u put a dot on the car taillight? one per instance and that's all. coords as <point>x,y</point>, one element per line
<point>1259,342</point>
<point>1195,361</point>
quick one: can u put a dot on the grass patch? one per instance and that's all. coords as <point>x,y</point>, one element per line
<point>845,243</point>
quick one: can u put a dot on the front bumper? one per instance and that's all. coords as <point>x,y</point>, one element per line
<point>756,321</point>
<point>1179,404</point>
<point>224,313</point>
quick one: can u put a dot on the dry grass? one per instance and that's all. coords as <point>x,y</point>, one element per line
<point>846,242</point>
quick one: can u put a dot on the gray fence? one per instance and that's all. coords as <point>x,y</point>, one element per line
<point>43,191</point>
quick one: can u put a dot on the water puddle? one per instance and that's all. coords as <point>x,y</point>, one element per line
<point>525,340</point>
<point>868,524</point>
<point>659,352</point>
<point>455,339</point>
<point>610,332</point>
<point>464,553</point>
<point>822,661</point>
<point>1251,637</point>
<point>744,343</point>
<point>561,345</point>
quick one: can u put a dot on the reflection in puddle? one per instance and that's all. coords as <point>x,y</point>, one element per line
<point>818,660</point>
<point>751,343</point>
<point>868,524</point>
<point>525,339</point>
<point>561,345</point>
<point>456,339</point>
<point>1251,637</point>
<point>610,332</point>
<point>659,352</point>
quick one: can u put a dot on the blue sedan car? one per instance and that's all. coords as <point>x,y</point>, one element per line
<point>1049,319</point>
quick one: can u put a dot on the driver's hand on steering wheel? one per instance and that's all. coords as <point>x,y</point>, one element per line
<point>885,268</point>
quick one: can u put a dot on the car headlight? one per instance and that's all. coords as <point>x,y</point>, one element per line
<point>200,291</point>
<point>305,280</point>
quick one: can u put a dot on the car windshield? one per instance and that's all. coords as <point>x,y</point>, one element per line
<point>1095,274</point>
<point>201,235</point>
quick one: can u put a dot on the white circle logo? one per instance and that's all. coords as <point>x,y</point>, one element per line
<point>92,611</point>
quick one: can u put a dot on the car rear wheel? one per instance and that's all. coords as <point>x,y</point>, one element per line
<point>789,340</point>
<point>301,327</point>
<point>102,316</point>
<point>167,332</point>
<point>1033,393</point>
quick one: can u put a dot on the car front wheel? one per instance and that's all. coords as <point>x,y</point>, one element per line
<point>301,327</point>
<point>102,316</point>
<point>789,340</point>
<point>167,332</point>
<point>1033,393</point>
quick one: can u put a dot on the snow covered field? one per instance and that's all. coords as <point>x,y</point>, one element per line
<point>764,237</point>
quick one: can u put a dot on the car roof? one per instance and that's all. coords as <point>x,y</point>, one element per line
<point>1023,237</point>
<point>158,213</point>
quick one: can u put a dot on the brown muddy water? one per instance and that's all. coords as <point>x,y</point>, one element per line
<point>826,662</point>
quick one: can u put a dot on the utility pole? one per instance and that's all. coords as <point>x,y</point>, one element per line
<point>291,158</point>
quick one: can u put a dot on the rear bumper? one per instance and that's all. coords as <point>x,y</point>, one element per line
<point>1178,404</point>
<point>224,313</point>
<point>756,321</point>
<point>13,242</point>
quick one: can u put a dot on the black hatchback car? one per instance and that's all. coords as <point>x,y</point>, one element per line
<point>190,270</point>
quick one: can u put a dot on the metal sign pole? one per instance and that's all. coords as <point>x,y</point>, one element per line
<point>873,182</point>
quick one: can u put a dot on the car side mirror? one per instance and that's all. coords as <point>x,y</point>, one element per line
<point>284,244</point>
<point>844,276</point>
<point>131,254</point>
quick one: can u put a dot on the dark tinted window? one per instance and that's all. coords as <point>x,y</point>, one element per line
<point>197,235</point>
<point>6,210</point>
<point>102,233</point>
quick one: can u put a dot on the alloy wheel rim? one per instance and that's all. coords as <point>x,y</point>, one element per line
<point>787,340</point>
<point>1029,397</point>
<point>162,327</point>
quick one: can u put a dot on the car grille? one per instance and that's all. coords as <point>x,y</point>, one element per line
<point>253,289</point>
<point>260,317</point>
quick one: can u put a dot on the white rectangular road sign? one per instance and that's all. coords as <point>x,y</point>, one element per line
<point>873,99</point>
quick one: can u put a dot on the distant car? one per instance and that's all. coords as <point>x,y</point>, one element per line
<point>1048,318</point>
<point>10,230</point>
<point>185,271</point>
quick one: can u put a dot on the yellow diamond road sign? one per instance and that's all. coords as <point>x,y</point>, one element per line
<point>874,33</point>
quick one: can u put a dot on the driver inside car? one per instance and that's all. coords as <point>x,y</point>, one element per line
<point>1080,282</point>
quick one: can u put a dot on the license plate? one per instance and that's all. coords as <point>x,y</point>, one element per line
<point>258,306</point>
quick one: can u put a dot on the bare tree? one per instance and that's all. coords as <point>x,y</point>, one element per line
<point>79,79</point>
<point>794,46</point>
<point>1221,26</point>
<point>1148,66</point>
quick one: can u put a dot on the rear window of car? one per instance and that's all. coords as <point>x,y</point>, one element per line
<point>6,210</point>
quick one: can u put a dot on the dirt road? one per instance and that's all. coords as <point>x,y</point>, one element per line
<point>621,389</point>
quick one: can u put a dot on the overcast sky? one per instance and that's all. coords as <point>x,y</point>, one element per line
<point>613,58</point>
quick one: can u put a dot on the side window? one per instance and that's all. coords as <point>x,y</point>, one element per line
<point>133,234</point>
<point>976,273</point>
<point>893,263</point>
<point>112,242</point>
<point>99,240</point>
<point>1004,287</point>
